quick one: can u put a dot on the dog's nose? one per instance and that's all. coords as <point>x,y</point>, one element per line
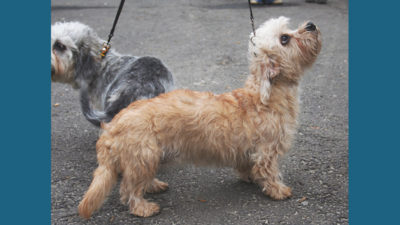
<point>310,26</point>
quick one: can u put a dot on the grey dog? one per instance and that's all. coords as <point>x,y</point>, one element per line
<point>107,84</point>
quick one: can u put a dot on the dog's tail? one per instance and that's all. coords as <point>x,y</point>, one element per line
<point>93,116</point>
<point>104,178</point>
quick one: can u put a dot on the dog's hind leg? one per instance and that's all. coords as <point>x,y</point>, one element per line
<point>138,177</point>
<point>124,189</point>
<point>137,187</point>
<point>265,172</point>
<point>157,186</point>
<point>244,172</point>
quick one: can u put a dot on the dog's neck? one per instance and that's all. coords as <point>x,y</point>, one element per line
<point>253,83</point>
<point>283,94</point>
<point>90,65</point>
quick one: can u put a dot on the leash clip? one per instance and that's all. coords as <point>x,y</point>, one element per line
<point>104,49</point>
<point>254,44</point>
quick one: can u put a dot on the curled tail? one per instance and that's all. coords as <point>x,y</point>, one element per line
<point>104,178</point>
<point>93,116</point>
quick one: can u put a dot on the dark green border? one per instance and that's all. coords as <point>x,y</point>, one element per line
<point>25,112</point>
<point>374,112</point>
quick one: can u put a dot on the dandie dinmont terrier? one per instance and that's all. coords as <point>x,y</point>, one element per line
<point>107,84</point>
<point>247,129</point>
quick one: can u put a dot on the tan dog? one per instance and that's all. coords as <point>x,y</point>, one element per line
<point>247,129</point>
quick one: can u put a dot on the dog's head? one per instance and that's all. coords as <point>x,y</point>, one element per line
<point>277,51</point>
<point>70,43</point>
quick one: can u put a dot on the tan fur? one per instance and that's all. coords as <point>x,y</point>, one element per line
<point>247,129</point>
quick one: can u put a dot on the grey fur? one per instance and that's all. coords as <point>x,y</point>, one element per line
<point>106,85</point>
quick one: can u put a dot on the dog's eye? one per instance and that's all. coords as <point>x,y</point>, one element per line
<point>59,46</point>
<point>285,39</point>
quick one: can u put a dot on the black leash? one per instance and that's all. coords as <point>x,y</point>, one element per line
<point>252,20</point>
<point>252,26</point>
<point>107,46</point>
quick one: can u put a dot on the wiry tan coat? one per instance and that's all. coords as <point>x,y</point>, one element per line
<point>247,129</point>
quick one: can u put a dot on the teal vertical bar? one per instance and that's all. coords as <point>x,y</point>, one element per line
<point>25,112</point>
<point>374,90</point>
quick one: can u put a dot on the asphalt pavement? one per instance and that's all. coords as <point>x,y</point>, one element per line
<point>204,44</point>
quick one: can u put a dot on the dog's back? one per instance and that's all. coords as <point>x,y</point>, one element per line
<point>197,127</point>
<point>142,78</point>
<point>123,82</point>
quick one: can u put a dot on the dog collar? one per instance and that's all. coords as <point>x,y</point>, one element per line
<point>105,49</point>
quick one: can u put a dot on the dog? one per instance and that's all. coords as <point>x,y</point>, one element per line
<point>107,84</point>
<point>248,129</point>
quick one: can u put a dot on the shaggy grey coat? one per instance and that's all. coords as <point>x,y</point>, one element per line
<point>106,85</point>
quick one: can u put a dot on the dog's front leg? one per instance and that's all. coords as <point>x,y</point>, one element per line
<point>265,172</point>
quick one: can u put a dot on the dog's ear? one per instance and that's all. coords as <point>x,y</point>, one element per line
<point>86,62</point>
<point>268,68</point>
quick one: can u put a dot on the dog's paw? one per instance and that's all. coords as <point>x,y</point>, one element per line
<point>278,191</point>
<point>145,209</point>
<point>157,186</point>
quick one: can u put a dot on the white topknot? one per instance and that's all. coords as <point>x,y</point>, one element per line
<point>75,30</point>
<point>267,33</point>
